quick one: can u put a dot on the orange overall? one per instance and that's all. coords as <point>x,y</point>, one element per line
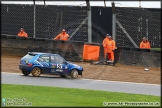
<point>22,34</point>
<point>62,36</point>
<point>109,47</point>
<point>145,44</point>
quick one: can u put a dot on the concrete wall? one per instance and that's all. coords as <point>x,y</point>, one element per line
<point>73,50</point>
<point>69,50</point>
<point>138,57</point>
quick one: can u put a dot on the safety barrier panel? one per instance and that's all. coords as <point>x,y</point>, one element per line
<point>70,50</point>
<point>79,51</point>
<point>139,57</point>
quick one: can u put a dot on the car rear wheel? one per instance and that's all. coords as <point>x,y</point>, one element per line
<point>26,73</point>
<point>74,74</point>
<point>36,71</point>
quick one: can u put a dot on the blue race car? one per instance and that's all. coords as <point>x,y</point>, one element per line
<point>38,63</point>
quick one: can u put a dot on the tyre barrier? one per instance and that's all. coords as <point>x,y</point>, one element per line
<point>3,36</point>
<point>78,42</point>
<point>123,54</point>
<point>11,36</point>
<point>145,50</point>
<point>40,39</point>
<point>95,44</point>
<point>155,51</point>
<point>69,42</point>
<point>20,38</point>
<point>86,43</point>
<point>60,41</point>
<point>49,40</point>
<point>30,38</point>
<point>134,49</point>
<point>123,48</point>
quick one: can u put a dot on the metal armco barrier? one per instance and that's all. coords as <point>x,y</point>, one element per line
<point>79,51</point>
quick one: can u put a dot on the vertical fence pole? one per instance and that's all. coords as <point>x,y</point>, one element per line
<point>89,27</point>
<point>114,26</point>
<point>113,22</point>
<point>34,21</point>
<point>140,3</point>
<point>89,22</point>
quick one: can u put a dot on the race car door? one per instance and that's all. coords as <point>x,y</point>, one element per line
<point>58,64</point>
<point>44,63</point>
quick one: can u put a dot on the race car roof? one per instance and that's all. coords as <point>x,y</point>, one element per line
<point>35,53</point>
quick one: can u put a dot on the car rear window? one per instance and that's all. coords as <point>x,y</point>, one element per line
<point>28,57</point>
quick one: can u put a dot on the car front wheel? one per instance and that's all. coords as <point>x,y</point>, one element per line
<point>26,73</point>
<point>74,74</point>
<point>36,71</point>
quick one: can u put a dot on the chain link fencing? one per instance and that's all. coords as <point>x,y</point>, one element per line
<point>137,23</point>
<point>14,17</point>
<point>48,23</point>
<point>50,20</point>
<point>131,23</point>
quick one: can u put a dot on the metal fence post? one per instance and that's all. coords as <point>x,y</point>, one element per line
<point>114,27</point>
<point>113,22</point>
<point>89,27</point>
<point>34,21</point>
<point>89,22</point>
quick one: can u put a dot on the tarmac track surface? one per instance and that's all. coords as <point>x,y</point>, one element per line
<point>114,86</point>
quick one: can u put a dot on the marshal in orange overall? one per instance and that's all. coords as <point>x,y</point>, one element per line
<point>109,47</point>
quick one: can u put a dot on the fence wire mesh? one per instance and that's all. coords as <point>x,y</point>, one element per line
<point>49,20</point>
<point>138,23</point>
<point>14,17</point>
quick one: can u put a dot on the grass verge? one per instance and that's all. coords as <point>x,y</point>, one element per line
<point>56,96</point>
<point>157,49</point>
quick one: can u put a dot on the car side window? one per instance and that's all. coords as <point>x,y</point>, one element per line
<point>53,58</point>
<point>59,59</point>
<point>43,58</point>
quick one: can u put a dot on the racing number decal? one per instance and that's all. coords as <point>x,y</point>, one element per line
<point>59,66</point>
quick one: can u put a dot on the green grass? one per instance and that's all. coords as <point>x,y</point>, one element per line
<point>158,49</point>
<point>56,96</point>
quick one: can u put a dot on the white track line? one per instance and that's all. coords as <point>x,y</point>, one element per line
<point>10,73</point>
<point>99,80</point>
<point>123,82</point>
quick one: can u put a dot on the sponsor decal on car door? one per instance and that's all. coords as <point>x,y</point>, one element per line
<point>59,68</point>
<point>62,68</point>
